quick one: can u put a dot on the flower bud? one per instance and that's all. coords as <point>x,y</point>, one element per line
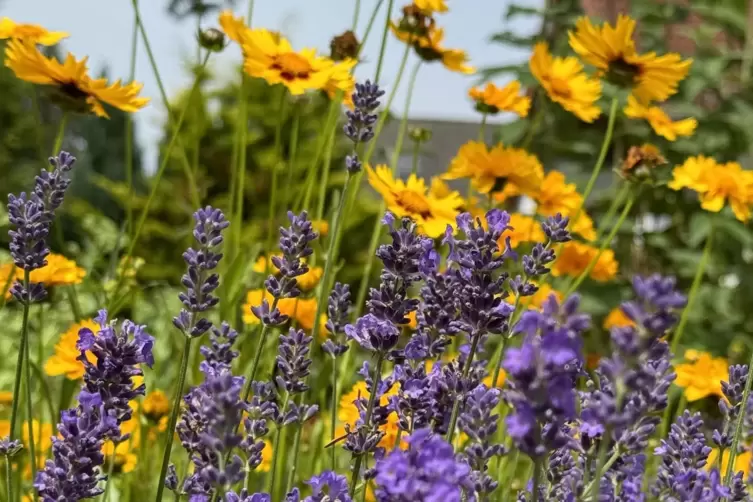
<point>212,39</point>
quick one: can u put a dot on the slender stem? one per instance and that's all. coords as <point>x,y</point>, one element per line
<point>19,365</point>
<point>604,244</point>
<point>110,467</point>
<point>294,133</point>
<point>174,412</point>
<point>250,11</point>
<point>196,201</point>
<point>601,464</point>
<point>595,482</point>
<point>404,121</point>
<point>694,288</point>
<point>363,288</point>
<point>157,177</point>
<point>29,402</point>
<point>372,18</point>
<point>257,355</point>
<point>414,160</point>
<point>241,165</point>
<point>60,135</point>
<point>383,46</point>
<point>296,452</point>
<point>278,154</point>
<point>739,424</point>
<point>324,182</point>
<point>275,452</point>
<point>501,350</point>
<point>538,115</point>
<point>466,369</point>
<point>129,133</point>
<point>367,420</point>
<point>324,139</point>
<point>333,413</point>
<point>616,201</point>
<point>482,128</point>
<point>356,15</point>
<point>536,478</point>
<point>8,481</point>
<point>600,161</point>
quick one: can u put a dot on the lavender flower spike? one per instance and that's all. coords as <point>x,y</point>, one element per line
<point>328,487</point>
<point>199,279</point>
<point>360,125</point>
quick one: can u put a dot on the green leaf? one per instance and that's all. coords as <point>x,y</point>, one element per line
<point>510,38</point>
<point>735,230</point>
<point>699,227</point>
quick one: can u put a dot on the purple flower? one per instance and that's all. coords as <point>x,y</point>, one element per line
<point>32,218</point>
<point>243,496</point>
<point>555,228</point>
<point>413,401</point>
<point>259,410</point>
<point>293,361</point>
<point>199,280</point>
<point>428,471</point>
<point>360,125</point>
<point>338,309</point>
<point>119,352</point>
<point>732,405</point>
<point>8,448</point>
<point>220,354</point>
<point>295,244</point>
<point>328,487</point>
<point>656,305</point>
<point>74,471</point>
<point>373,334</point>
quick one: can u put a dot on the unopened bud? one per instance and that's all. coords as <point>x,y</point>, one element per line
<point>212,39</point>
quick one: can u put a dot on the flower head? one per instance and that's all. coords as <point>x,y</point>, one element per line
<point>716,184</point>
<point>490,169</point>
<point>344,46</point>
<point>617,319</point>
<point>575,257</point>
<point>659,121</point>
<point>361,119</point>
<point>32,33</point>
<point>431,6</point>
<point>565,83</point>
<point>429,47</point>
<point>702,376</point>
<point>524,229</point>
<point>612,51</point>
<point>155,406</point>
<point>65,360</point>
<point>59,271</point>
<point>328,487</point>
<point>493,99</point>
<point>411,198</point>
<point>73,86</point>
<point>341,79</point>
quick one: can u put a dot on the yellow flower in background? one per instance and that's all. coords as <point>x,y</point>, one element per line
<point>493,99</point>
<point>659,121</point>
<point>155,406</point>
<point>321,227</point>
<point>583,226</point>
<point>300,310</point>
<point>59,271</point>
<point>266,457</point>
<point>349,414</point>
<point>617,319</point>
<point>8,272</point>
<point>412,198</point>
<point>524,229</point>
<point>565,83</point>
<point>431,6</point>
<point>75,88</point>
<point>42,440</point>
<point>612,51</point>
<point>555,195</point>
<point>306,282</point>
<point>6,398</point>
<point>536,301</point>
<point>272,58</point>
<point>702,376</point>
<point>500,380</point>
<point>29,32</point>
<point>574,258</point>
<point>341,79</point>
<point>122,455</point>
<point>429,47</point>
<point>490,169</point>
<point>234,27</point>
<point>716,184</point>
<point>260,265</point>
<point>64,361</point>
<point>742,461</point>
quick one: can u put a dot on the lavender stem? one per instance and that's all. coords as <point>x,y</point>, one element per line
<point>369,410</point>
<point>466,369</point>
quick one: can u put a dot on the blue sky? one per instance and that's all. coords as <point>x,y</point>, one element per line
<point>101,29</point>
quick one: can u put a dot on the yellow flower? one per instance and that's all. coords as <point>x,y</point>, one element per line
<point>702,377</point>
<point>29,32</point>
<point>349,414</point>
<point>65,361</point>
<point>641,161</point>
<point>321,227</point>
<point>742,461</point>
<point>306,282</point>
<point>156,405</point>
<point>617,319</point>
<point>716,183</point>
<point>411,198</point>
<point>574,258</point>
<point>234,27</point>
<point>341,79</point>
<point>492,99</point>
<point>659,120</point>
<point>565,83</point>
<point>524,229</point>
<point>59,271</point>
<point>537,300</point>
<point>266,457</point>
<point>124,458</point>
<point>75,88</point>
<point>42,440</point>
<point>556,196</point>
<point>612,51</point>
<point>431,6</point>
<point>300,310</point>
<point>8,272</point>
<point>500,380</point>
<point>6,398</point>
<point>429,47</point>
<point>272,58</point>
<point>490,169</point>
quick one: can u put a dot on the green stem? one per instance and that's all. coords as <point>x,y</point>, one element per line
<point>404,121</point>
<point>8,481</point>
<point>466,369</point>
<point>740,419</point>
<point>110,467</point>
<point>29,402</point>
<point>19,370</point>
<point>694,288</point>
<point>324,182</point>
<point>186,163</point>
<point>174,416</point>
<point>250,11</point>
<point>323,140</point>
<point>333,413</point>
<point>367,420</point>
<point>240,168</point>
<point>600,161</point>
<point>482,128</point>
<point>70,292</point>
<point>414,160</point>
<point>356,15</point>
<point>294,132</point>
<point>275,452</point>
<point>296,452</point>
<point>153,192</point>
<point>538,115</point>
<point>273,192</point>
<point>60,134</point>
<point>257,355</point>
<point>604,243</point>
<point>601,464</point>
<point>372,19</point>
<point>616,201</point>
<point>383,46</point>
<point>129,134</point>
<point>501,350</point>
<point>536,478</point>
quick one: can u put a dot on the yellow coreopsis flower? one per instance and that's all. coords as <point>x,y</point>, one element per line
<point>742,461</point>
<point>524,229</point>
<point>536,301</point>
<point>555,195</point>
<point>29,32</point>
<point>42,443</point>
<point>306,282</point>
<point>155,406</point>
<point>491,169</point>
<point>412,198</point>
<point>300,310</point>
<point>266,457</point>
<point>702,376</point>
<point>431,6</point>
<point>574,258</point>
<point>617,319</point>
<point>659,121</point>
<point>122,456</point>
<point>612,51</point>
<point>75,89</point>
<point>341,79</point>
<point>429,47</point>
<point>716,184</point>
<point>321,227</point>
<point>565,83</point>
<point>349,413</point>
<point>500,380</point>
<point>59,271</point>
<point>6,398</point>
<point>64,361</point>
<point>493,99</point>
